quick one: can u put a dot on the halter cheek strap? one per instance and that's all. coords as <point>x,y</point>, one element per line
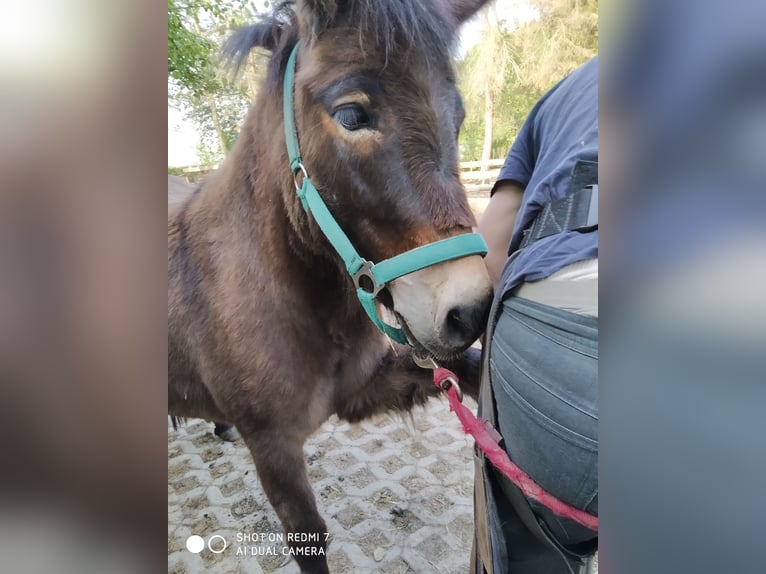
<point>369,278</point>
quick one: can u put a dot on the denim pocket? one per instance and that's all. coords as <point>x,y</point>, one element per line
<point>544,376</point>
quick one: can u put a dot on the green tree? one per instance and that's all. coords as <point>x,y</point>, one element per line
<point>487,74</point>
<point>196,83</point>
<point>493,94</point>
<point>503,76</point>
<point>564,37</point>
<point>190,55</point>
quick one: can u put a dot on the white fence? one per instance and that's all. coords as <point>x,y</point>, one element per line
<point>480,176</point>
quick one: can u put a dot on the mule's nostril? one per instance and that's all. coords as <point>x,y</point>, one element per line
<point>457,320</point>
<point>464,324</point>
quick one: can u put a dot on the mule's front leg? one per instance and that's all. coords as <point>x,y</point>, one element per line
<point>281,469</point>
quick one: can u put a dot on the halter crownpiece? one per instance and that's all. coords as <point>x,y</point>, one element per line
<point>369,278</point>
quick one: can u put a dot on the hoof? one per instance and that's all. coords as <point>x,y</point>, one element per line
<point>226,432</point>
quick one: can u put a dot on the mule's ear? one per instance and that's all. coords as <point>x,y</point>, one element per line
<point>315,16</point>
<point>462,10</point>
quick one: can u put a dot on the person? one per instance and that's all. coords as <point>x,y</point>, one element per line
<point>539,379</point>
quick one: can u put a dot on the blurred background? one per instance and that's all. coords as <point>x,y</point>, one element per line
<point>82,286</point>
<point>83,166</point>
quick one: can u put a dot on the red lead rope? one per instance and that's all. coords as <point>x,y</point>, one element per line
<point>489,446</point>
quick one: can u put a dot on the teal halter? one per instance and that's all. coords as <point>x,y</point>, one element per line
<point>377,274</point>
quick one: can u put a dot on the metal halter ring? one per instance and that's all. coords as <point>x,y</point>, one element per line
<point>366,271</point>
<point>298,169</point>
<point>448,382</point>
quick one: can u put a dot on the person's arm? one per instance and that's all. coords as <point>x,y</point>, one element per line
<point>496,225</point>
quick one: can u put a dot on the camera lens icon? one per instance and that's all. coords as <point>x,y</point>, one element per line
<point>196,544</point>
<point>219,547</point>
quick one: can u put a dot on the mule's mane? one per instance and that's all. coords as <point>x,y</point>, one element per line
<point>276,32</point>
<point>395,27</point>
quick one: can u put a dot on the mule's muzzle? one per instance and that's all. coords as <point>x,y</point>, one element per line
<point>464,324</point>
<point>443,309</point>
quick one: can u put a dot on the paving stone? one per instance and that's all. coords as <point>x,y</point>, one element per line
<point>396,494</point>
<point>409,523</point>
<point>233,487</point>
<point>185,484</point>
<point>220,470</point>
<point>247,505</point>
<point>350,516</point>
<point>393,464</point>
<point>362,477</point>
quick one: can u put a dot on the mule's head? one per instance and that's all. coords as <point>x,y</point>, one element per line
<point>377,113</point>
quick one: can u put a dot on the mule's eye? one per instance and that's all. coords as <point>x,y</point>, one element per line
<point>352,117</point>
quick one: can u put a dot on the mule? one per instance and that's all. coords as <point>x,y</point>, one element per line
<point>265,330</point>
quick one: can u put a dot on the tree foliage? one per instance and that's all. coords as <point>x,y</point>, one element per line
<point>190,54</point>
<point>564,37</point>
<point>519,66</point>
<point>197,84</point>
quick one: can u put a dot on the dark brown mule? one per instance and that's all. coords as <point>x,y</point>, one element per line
<point>264,327</point>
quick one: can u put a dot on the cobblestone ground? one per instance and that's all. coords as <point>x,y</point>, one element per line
<point>396,495</point>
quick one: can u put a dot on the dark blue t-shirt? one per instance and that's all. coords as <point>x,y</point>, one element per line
<point>561,129</point>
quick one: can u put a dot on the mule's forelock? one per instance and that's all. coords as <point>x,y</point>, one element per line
<point>391,25</point>
<point>318,15</point>
<point>426,26</point>
<point>315,16</point>
<point>414,23</point>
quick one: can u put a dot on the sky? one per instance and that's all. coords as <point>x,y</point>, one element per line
<point>182,140</point>
<point>514,12</point>
<point>183,137</point>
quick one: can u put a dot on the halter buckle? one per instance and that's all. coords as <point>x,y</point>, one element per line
<point>371,285</point>
<point>300,168</point>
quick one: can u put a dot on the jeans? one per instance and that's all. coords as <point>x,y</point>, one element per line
<point>543,368</point>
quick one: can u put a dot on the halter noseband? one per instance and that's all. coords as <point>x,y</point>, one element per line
<point>369,278</point>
